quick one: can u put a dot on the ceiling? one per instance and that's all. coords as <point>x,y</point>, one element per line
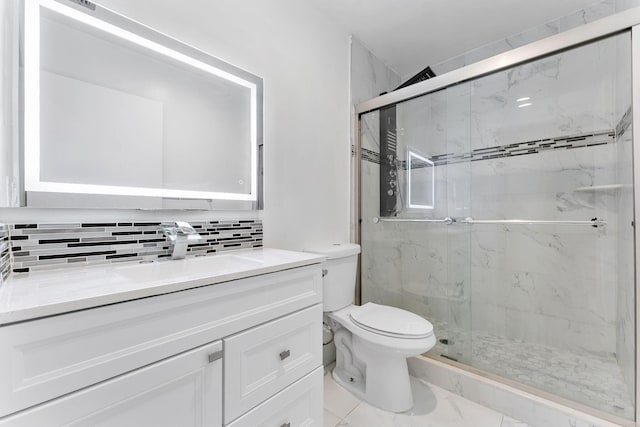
<point>408,35</point>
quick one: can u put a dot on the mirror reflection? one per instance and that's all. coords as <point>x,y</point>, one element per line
<point>420,181</point>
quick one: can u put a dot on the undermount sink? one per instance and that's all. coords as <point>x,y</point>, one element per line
<point>189,267</point>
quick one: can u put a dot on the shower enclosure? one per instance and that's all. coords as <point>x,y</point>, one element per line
<point>497,201</point>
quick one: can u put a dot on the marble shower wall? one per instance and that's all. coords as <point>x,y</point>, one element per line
<point>548,284</point>
<point>369,78</point>
<point>554,285</point>
<point>587,15</point>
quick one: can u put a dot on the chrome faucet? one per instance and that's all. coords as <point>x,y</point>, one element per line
<point>180,234</point>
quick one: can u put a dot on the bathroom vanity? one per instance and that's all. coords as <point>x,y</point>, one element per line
<point>231,339</point>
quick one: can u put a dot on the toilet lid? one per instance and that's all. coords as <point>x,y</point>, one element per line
<point>391,321</point>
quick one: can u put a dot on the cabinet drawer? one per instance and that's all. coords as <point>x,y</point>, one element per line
<point>298,405</point>
<point>46,358</point>
<point>264,360</point>
<point>184,390</point>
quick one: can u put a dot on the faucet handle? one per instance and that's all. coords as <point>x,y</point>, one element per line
<point>183,228</point>
<point>173,229</point>
<point>180,233</point>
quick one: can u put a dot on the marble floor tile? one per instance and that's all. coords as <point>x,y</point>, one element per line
<point>329,419</point>
<point>510,422</point>
<point>435,407</point>
<point>337,400</point>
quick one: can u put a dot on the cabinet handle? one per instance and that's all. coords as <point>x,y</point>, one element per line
<point>286,425</point>
<point>215,356</point>
<point>283,356</point>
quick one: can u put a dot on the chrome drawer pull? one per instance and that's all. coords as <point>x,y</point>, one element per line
<point>215,356</point>
<point>283,356</point>
<point>286,425</point>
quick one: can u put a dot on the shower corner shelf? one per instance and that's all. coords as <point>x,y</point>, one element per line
<point>596,188</point>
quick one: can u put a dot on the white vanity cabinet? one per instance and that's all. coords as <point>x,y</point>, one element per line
<point>173,359</point>
<point>184,390</point>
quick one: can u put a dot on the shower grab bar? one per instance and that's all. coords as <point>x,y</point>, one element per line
<point>594,222</point>
<point>447,220</point>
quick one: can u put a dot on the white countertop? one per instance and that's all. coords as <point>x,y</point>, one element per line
<point>26,296</point>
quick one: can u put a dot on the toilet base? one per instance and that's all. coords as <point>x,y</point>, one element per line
<point>377,377</point>
<point>374,366</point>
<point>390,391</point>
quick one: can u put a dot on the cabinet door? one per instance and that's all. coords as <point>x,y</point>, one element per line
<point>184,390</point>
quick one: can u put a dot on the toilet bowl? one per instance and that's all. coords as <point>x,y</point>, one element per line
<point>372,341</point>
<point>372,345</point>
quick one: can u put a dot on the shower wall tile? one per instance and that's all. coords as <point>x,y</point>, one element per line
<point>497,118</point>
<point>622,5</point>
<point>371,77</point>
<point>550,284</point>
<point>580,17</point>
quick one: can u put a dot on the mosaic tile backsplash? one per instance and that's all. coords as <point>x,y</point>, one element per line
<point>46,246</point>
<point>5,253</point>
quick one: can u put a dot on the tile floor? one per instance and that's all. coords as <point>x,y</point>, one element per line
<point>435,407</point>
<point>586,378</point>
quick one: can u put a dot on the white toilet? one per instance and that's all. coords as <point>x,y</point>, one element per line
<point>372,341</point>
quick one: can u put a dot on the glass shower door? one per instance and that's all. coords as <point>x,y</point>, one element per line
<point>552,250</point>
<point>415,187</point>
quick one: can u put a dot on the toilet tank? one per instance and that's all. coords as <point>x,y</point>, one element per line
<point>339,271</point>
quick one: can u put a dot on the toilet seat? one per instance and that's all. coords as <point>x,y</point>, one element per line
<point>391,322</point>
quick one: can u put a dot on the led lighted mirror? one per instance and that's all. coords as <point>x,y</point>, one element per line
<point>420,181</point>
<point>114,108</point>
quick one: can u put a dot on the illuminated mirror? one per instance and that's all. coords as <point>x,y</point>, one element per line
<point>115,109</point>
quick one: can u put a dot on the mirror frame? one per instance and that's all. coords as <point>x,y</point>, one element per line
<point>122,27</point>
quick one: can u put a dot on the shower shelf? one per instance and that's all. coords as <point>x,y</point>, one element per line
<point>594,188</point>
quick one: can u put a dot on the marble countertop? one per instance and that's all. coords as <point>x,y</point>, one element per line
<point>26,296</point>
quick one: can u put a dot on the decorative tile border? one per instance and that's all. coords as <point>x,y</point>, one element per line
<point>511,150</point>
<point>624,123</point>
<point>5,253</point>
<point>47,246</point>
<point>530,147</point>
<point>370,156</point>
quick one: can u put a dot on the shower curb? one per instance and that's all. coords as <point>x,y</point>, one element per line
<point>535,410</point>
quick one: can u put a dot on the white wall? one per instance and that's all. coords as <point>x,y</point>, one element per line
<point>9,104</point>
<point>304,61</point>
